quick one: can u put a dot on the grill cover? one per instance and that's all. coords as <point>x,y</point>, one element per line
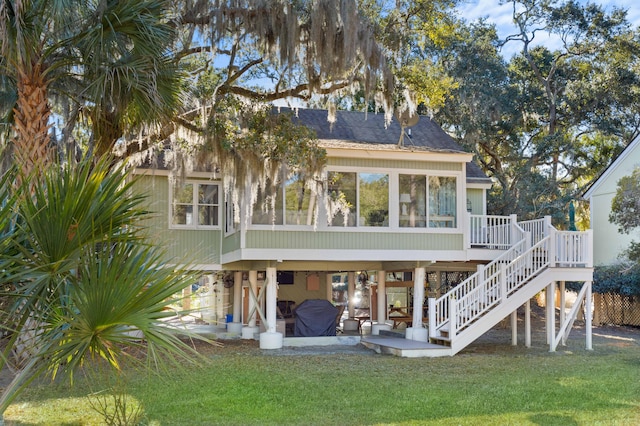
<point>315,317</point>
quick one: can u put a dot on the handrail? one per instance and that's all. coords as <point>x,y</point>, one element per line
<point>512,270</point>
<point>441,306</point>
<point>536,228</point>
<point>501,284</point>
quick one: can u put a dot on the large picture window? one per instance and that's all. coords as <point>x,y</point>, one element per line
<point>413,201</point>
<point>442,202</point>
<point>291,203</point>
<point>196,205</point>
<point>427,201</point>
<point>364,196</point>
<point>267,209</point>
<point>300,202</point>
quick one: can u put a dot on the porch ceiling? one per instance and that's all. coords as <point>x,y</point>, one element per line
<point>336,266</point>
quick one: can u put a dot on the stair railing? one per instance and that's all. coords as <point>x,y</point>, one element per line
<point>505,275</point>
<point>440,308</point>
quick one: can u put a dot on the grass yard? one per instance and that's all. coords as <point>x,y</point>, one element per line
<point>486,384</point>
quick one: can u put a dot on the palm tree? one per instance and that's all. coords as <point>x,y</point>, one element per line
<point>83,276</point>
<point>106,58</point>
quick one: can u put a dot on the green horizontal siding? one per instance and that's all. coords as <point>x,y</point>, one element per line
<point>399,164</point>
<point>181,245</point>
<point>321,240</point>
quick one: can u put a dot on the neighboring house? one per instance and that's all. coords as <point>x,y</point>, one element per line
<point>393,216</point>
<point>609,243</point>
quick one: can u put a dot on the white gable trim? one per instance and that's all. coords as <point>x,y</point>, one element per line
<point>612,167</point>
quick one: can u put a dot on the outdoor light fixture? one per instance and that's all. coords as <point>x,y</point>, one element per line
<point>469,206</point>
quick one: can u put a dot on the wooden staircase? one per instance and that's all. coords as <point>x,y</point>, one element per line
<point>472,308</point>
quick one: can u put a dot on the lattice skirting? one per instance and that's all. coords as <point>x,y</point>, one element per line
<point>611,308</point>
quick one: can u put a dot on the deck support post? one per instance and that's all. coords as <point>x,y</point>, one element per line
<point>550,315</point>
<point>351,291</point>
<point>514,328</point>
<point>382,305</point>
<point>588,317</point>
<point>563,302</point>
<point>417,331</point>
<point>527,324</point>
<point>235,327</point>
<point>251,329</point>
<point>271,339</point>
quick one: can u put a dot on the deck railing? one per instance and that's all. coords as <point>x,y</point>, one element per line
<point>493,232</point>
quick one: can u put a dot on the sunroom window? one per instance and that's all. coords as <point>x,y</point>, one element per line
<point>300,203</point>
<point>442,202</point>
<point>417,210</point>
<point>364,196</point>
<point>298,208</point>
<point>267,209</point>
<point>413,201</point>
<point>195,205</point>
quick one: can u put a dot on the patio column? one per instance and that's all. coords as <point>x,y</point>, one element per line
<point>251,329</point>
<point>271,339</point>
<point>417,331</point>
<point>382,305</point>
<point>514,328</point>
<point>351,291</point>
<point>527,323</point>
<point>587,316</point>
<point>551,315</point>
<point>235,326</point>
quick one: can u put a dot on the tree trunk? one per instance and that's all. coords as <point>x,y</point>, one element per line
<point>31,151</point>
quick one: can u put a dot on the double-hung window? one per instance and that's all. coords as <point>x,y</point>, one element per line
<point>195,205</point>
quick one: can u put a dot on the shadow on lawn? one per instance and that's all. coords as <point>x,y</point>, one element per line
<point>552,419</point>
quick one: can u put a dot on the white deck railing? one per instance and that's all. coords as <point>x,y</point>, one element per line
<point>493,232</point>
<point>493,283</point>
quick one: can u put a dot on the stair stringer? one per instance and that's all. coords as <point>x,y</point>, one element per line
<point>487,321</point>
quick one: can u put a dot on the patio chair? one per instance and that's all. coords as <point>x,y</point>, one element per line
<point>284,310</point>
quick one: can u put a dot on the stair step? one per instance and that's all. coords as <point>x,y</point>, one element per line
<point>444,341</point>
<point>392,333</point>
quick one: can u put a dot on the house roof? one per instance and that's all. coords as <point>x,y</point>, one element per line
<point>593,186</point>
<point>352,129</point>
<point>370,128</point>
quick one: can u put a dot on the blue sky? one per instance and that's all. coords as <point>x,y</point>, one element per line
<point>501,15</point>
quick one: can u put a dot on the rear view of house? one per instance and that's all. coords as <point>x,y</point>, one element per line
<point>394,228</point>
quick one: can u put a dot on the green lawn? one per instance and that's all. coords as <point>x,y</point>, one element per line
<point>484,385</point>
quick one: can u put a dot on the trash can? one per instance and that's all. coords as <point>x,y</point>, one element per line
<point>229,319</point>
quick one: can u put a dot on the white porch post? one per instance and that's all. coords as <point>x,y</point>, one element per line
<point>417,331</point>
<point>382,305</point>
<point>563,302</point>
<point>514,328</point>
<point>351,291</point>
<point>551,315</point>
<point>329,284</point>
<point>527,324</point>
<point>587,316</point>
<point>271,339</point>
<point>251,329</point>
<point>235,326</point>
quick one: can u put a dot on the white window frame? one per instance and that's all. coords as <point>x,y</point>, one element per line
<point>195,225</point>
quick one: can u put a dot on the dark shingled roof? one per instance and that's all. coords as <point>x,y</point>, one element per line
<point>370,128</point>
